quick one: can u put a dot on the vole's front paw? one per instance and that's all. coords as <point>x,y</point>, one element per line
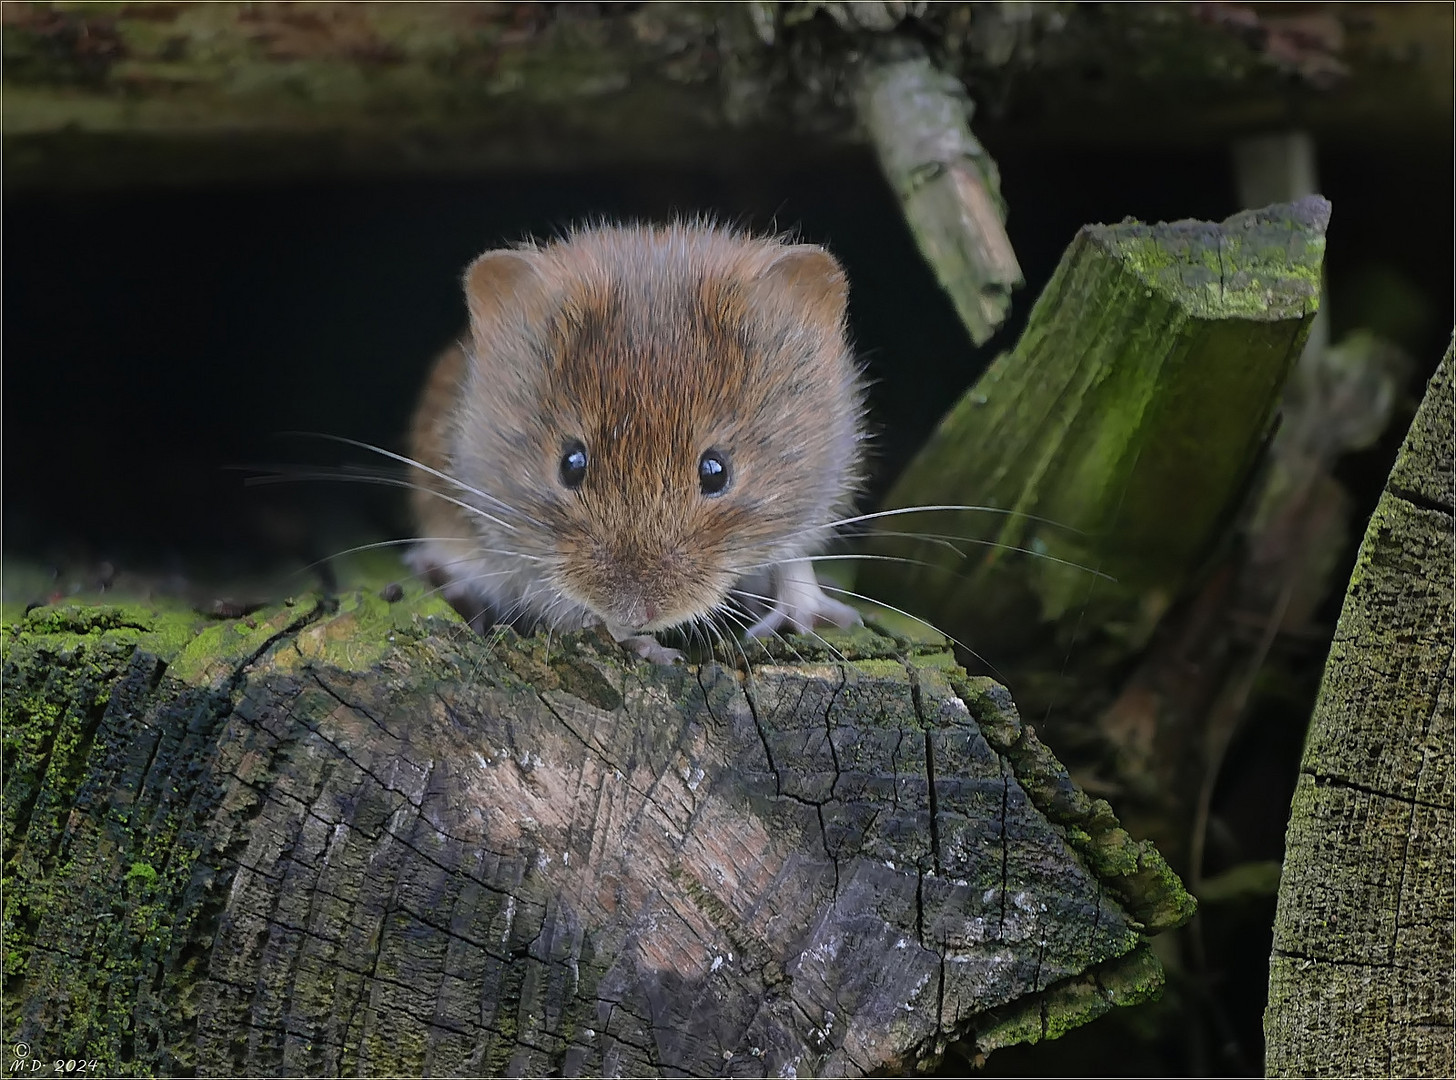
<point>801,603</point>
<point>649,648</point>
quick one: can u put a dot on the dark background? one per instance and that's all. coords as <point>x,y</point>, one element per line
<point>156,340</point>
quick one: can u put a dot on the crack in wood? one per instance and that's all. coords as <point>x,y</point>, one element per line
<point>1005,846</point>
<point>751,697</point>
<point>829,730</point>
<point>625,774</point>
<point>362,907</point>
<point>354,707</point>
<point>1327,780</point>
<point>1420,500</point>
<point>1337,961</point>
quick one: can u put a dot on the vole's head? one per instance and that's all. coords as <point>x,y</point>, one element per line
<point>664,409</point>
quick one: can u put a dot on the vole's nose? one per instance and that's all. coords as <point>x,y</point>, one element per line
<point>637,612</point>
<point>639,587</point>
<point>634,612</point>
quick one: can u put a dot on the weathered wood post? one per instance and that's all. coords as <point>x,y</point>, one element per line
<point>1114,441</point>
<point>1360,977</point>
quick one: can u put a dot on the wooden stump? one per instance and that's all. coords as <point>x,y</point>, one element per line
<point>358,838</point>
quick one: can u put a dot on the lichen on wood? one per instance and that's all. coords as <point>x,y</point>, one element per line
<point>1359,979</point>
<point>357,837</point>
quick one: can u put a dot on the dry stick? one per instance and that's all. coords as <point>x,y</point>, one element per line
<point>917,117</point>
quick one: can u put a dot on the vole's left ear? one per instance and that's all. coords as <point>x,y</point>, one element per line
<point>807,282</point>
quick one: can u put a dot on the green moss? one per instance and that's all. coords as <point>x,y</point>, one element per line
<point>580,1012</point>
<point>215,651</point>
<point>825,645</point>
<point>1126,980</point>
<point>880,669</point>
<point>1132,870</point>
<point>394,1045</point>
<point>143,873</point>
<point>73,618</point>
<point>141,861</point>
<point>122,856</point>
<point>364,627</point>
<point>581,677</point>
<point>1071,1005</point>
<point>1009,1026</point>
<point>165,630</point>
<point>710,905</point>
<point>1137,396</point>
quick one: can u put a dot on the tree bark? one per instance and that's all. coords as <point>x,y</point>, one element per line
<point>1360,977</point>
<point>358,838</point>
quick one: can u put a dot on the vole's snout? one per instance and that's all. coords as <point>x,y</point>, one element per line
<point>641,592</point>
<point>633,612</point>
<point>640,609</point>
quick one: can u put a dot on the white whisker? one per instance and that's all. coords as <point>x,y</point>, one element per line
<point>725,610</point>
<point>406,460</point>
<point>934,566</point>
<point>915,618</point>
<point>946,507</point>
<point>420,539</point>
<point>778,634</point>
<point>386,481</point>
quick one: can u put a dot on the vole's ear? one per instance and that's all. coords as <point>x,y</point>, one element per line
<point>505,292</point>
<point>806,280</point>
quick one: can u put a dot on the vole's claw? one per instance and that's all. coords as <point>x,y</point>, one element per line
<point>649,648</point>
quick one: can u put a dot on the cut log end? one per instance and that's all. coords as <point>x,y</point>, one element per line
<point>1359,977</point>
<point>358,838</point>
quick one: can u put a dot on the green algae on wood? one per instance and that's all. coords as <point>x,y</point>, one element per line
<point>378,842</point>
<point>1114,440</point>
<point>1359,978</point>
<point>1127,980</point>
<point>1135,872</point>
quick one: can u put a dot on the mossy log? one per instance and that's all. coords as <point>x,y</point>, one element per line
<point>1360,977</point>
<point>106,94</point>
<point>1113,442</point>
<point>356,837</point>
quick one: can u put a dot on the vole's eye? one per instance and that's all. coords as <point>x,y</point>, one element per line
<point>573,464</point>
<point>713,472</point>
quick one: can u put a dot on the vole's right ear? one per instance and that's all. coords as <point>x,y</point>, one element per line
<point>505,291</point>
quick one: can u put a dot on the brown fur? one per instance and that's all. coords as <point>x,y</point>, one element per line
<point>650,345</point>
